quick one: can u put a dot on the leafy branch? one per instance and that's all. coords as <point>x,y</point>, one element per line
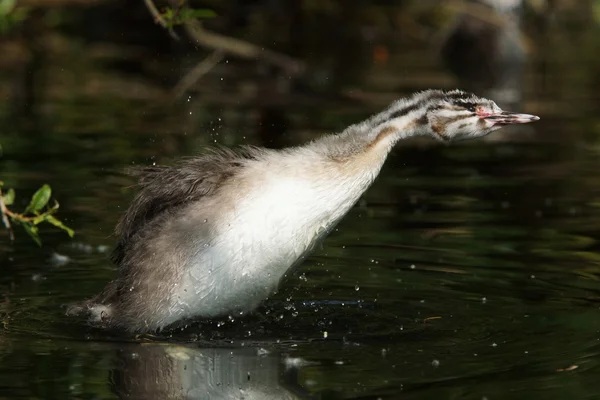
<point>171,17</point>
<point>11,15</point>
<point>191,20</point>
<point>181,14</point>
<point>37,212</point>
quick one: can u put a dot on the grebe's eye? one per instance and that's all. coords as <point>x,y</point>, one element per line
<point>472,108</point>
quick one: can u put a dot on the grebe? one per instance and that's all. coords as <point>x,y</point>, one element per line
<point>213,235</point>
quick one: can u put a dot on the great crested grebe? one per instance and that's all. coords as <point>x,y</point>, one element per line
<point>214,234</point>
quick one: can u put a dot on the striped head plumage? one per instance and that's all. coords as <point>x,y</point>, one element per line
<point>449,115</point>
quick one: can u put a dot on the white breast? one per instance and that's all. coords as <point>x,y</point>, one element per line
<point>264,233</point>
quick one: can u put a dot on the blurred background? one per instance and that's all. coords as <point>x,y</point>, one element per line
<point>467,271</point>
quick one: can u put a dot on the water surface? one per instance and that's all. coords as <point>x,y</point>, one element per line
<point>467,271</point>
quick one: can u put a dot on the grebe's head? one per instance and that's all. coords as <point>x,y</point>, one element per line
<point>455,115</point>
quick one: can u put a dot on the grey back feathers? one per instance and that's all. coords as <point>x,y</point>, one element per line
<point>163,189</point>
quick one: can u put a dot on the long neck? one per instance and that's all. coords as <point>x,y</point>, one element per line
<point>404,118</point>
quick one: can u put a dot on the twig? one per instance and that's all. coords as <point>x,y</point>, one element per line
<point>159,19</point>
<point>20,217</point>
<point>5,212</point>
<point>197,72</point>
<point>240,48</point>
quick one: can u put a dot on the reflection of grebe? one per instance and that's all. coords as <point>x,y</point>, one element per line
<point>214,235</point>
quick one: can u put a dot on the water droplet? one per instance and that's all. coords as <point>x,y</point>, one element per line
<point>357,288</point>
<point>262,352</point>
<point>413,266</point>
<point>435,363</point>
<point>325,335</point>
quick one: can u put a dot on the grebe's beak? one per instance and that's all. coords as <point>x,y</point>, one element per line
<point>509,118</point>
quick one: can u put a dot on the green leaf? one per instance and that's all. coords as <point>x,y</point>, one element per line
<point>54,221</point>
<point>32,231</point>
<point>6,7</point>
<point>168,16</point>
<point>39,199</point>
<point>180,16</point>
<point>9,197</point>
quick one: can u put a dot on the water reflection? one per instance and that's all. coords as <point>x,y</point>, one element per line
<point>163,371</point>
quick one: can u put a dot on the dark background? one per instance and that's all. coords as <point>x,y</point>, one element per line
<point>466,271</point>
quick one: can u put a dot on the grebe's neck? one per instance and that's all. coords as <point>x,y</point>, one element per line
<point>402,119</point>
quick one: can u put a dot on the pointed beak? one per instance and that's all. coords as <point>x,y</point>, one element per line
<point>509,118</point>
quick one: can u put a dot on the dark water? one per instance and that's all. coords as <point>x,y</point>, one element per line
<point>468,271</point>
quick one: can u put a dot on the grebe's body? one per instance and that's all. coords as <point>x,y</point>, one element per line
<point>214,235</point>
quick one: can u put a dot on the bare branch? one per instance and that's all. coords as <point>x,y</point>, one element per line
<point>240,48</point>
<point>197,72</point>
